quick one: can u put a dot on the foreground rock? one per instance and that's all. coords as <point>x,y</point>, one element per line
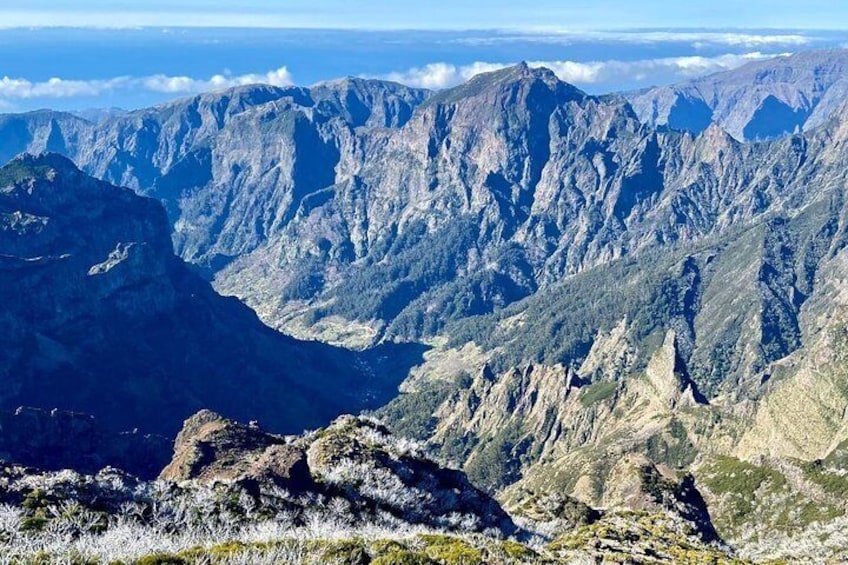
<point>353,458</point>
<point>349,493</point>
<point>211,448</point>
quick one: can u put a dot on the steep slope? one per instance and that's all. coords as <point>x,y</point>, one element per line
<point>620,358</point>
<point>470,207</point>
<point>357,212</point>
<point>99,316</point>
<point>454,198</point>
<point>57,440</point>
<point>760,100</point>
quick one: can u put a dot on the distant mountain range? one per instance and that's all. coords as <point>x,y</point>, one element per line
<point>620,296</point>
<point>761,100</point>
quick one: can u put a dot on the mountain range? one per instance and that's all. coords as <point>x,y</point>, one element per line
<point>636,300</point>
<point>760,101</point>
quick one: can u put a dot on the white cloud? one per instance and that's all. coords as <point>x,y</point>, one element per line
<point>598,72</point>
<point>698,39</point>
<point>443,75</point>
<point>19,88</point>
<point>184,84</point>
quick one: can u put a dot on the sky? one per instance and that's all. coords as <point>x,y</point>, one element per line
<point>73,55</point>
<point>433,14</point>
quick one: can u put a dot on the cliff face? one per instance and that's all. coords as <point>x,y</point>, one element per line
<point>361,210</point>
<point>99,316</point>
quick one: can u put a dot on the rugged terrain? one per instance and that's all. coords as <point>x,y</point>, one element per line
<point>348,493</point>
<point>99,316</point>
<point>628,303</point>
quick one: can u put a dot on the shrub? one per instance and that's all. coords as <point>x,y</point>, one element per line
<point>518,551</point>
<point>449,550</point>
<point>403,557</point>
<point>347,552</point>
<point>161,559</point>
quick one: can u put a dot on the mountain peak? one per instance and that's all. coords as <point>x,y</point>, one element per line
<point>42,166</point>
<point>507,78</point>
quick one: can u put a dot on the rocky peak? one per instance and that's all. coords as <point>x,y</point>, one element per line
<point>368,102</point>
<point>42,166</point>
<point>666,374</point>
<point>517,84</point>
<point>212,448</point>
<point>51,208</point>
<point>47,181</point>
<point>355,458</point>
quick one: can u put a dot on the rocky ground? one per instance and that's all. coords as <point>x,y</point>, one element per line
<point>348,493</point>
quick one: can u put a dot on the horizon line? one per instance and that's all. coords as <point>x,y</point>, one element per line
<point>525,29</point>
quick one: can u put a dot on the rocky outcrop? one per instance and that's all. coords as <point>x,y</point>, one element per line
<point>354,458</point>
<point>210,448</point>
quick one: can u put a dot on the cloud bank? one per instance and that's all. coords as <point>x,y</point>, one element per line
<point>444,75</point>
<point>433,76</point>
<point>697,39</point>
<point>20,88</point>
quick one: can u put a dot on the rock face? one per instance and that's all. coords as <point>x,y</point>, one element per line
<point>359,211</point>
<point>99,316</point>
<point>761,100</point>
<point>210,447</point>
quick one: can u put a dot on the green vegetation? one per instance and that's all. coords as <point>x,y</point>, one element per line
<point>518,551</point>
<point>672,446</point>
<point>403,557</point>
<point>753,494</point>
<point>730,475</point>
<point>425,549</point>
<point>598,392</point>
<point>449,550</point>
<point>637,537</point>
<point>161,559</point>
<point>20,170</point>
<point>346,552</point>
<point>411,414</point>
<point>828,478</point>
<point>741,486</point>
<point>419,261</point>
<point>648,292</point>
<point>499,460</point>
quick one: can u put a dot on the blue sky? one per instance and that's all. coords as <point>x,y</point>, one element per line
<point>81,54</point>
<point>433,14</point>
